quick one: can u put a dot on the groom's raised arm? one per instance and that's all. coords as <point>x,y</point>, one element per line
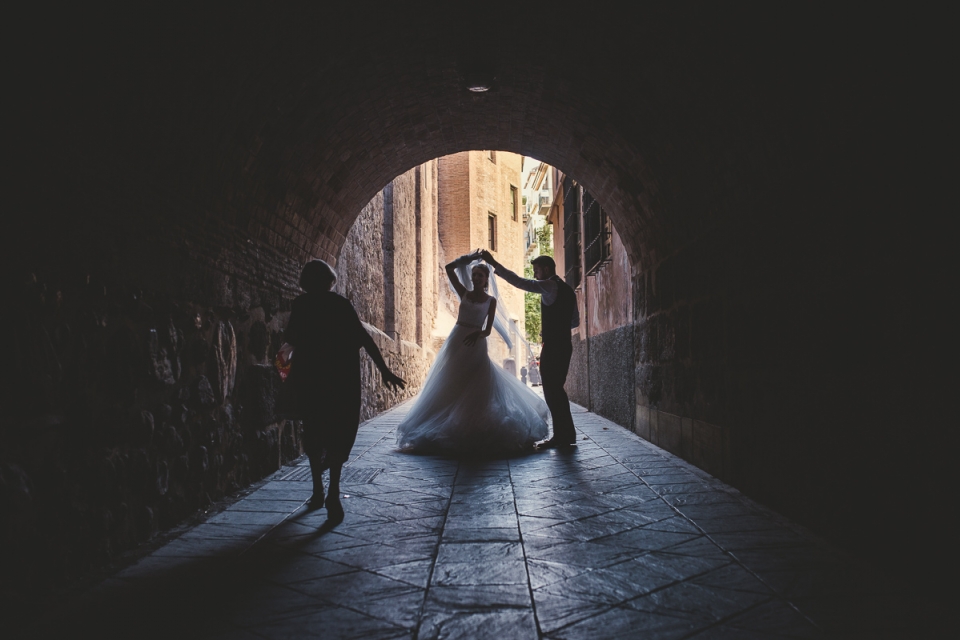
<point>543,287</point>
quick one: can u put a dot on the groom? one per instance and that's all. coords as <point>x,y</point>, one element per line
<point>559,314</point>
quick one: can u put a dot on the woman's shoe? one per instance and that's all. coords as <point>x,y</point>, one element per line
<point>334,509</point>
<point>315,502</point>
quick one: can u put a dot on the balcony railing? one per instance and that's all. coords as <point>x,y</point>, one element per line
<point>546,201</point>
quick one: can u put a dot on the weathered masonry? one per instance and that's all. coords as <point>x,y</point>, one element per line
<point>634,361</point>
<point>789,277</point>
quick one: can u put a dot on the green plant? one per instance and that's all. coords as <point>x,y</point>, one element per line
<point>531,310</point>
<point>545,240</point>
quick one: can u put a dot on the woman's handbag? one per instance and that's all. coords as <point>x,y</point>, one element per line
<point>282,360</point>
<point>286,396</point>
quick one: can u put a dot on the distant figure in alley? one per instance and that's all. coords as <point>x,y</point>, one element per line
<point>326,335</point>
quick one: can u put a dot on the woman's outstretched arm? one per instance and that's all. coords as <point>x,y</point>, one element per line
<point>389,377</point>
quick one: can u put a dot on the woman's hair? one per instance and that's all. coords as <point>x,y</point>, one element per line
<point>486,271</point>
<point>317,275</point>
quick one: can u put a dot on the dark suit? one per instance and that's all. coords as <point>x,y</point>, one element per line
<point>555,358</point>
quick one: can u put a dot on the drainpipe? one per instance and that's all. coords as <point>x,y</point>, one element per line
<point>586,304</point>
<point>586,345</point>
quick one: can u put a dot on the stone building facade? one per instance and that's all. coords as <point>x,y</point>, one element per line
<point>621,341</point>
<point>135,404</point>
<point>480,207</point>
<point>391,265</point>
<point>789,283</point>
<point>388,268</point>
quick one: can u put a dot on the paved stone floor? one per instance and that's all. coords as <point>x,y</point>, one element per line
<point>615,539</point>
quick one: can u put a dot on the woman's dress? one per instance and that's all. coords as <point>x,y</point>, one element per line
<point>326,334</point>
<point>468,404</point>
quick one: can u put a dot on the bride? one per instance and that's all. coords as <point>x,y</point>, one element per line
<point>468,404</point>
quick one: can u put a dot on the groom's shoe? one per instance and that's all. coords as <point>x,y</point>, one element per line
<point>553,443</point>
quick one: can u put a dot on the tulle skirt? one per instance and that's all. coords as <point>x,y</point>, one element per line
<point>469,405</point>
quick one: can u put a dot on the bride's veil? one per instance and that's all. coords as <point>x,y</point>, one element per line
<point>504,326</point>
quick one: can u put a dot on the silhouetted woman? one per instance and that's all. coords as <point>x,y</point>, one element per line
<point>326,335</point>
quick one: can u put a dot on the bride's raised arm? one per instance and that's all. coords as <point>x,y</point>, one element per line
<point>452,272</point>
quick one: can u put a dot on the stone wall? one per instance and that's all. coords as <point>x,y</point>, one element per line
<point>473,185</point>
<point>200,158</point>
<point>606,386</point>
<point>403,252</point>
<point>578,385</point>
<point>644,375</point>
<point>611,385</point>
<point>387,269</point>
<point>360,264</point>
<point>134,405</point>
<point>135,410</point>
<point>430,276</point>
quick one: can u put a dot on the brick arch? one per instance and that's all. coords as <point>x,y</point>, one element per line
<point>298,149</point>
<point>748,160</point>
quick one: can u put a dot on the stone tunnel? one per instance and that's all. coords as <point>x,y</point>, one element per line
<point>172,172</point>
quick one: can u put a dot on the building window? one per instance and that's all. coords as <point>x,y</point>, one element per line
<point>492,232</point>
<point>596,235</point>
<point>514,203</point>
<point>571,232</point>
<point>493,157</point>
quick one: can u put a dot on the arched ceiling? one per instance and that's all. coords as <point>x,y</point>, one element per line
<point>286,120</point>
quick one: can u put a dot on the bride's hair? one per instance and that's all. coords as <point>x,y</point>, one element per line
<point>486,271</point>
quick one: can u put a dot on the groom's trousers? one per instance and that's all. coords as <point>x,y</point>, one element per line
<point>554,365</point>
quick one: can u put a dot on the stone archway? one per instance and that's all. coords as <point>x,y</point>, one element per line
<point>189,164</point>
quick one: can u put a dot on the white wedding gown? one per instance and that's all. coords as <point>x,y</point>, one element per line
<point>468,404</point>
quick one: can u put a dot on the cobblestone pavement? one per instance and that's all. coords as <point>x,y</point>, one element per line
<point>615,539</point>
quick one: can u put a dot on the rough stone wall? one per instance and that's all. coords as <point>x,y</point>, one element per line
<point>602,368</point>
<point>135,407</point>
<point>360,264</point>
<point>471,187</point>
<point>682,359</point>
<point>663,391</point>
<point>406,359</point>
<point>611,382</point>
<point>577,385</point>
<point>381,253</point>
<point>606,385</point>
<point>651,385</point>
<point>428,266</point>
<point>135,410</point>
<point>405,276</point>
<point>201,157</point>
